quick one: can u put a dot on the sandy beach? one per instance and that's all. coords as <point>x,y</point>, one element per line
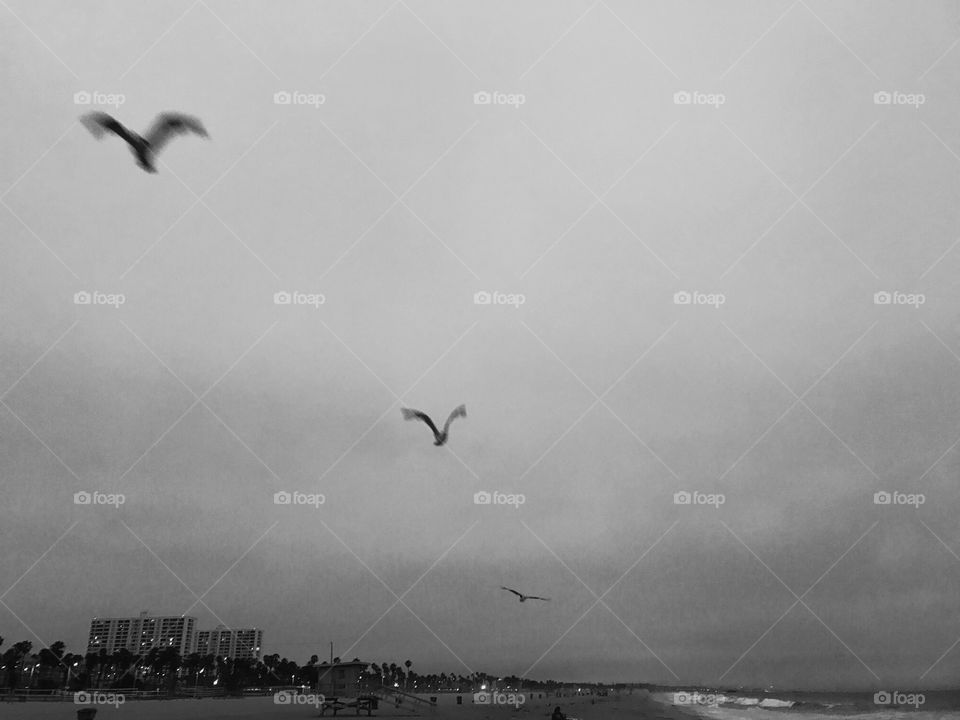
<point>608,708</point>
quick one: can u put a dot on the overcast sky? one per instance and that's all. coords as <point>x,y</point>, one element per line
<point>785,194</point>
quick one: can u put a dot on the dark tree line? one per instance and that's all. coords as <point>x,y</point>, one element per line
<point>165,670</point>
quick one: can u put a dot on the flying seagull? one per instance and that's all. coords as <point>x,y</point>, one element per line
<point>145,147</point>
<point>523,597</point>
<point>439,437</point>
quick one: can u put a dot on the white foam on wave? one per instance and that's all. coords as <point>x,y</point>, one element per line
<point>774,703</point>
<point>701,699</point>
<point>752,708</point>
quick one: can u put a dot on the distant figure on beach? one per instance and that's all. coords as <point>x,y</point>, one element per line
<point>524,598</point>
<point>145,147</point>
<point>439,438</point>
<point>557,715</point>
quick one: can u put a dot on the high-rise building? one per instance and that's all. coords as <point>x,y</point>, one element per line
<point>140,634</point>
<point>239,643</point>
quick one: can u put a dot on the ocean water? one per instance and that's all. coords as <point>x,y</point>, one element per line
<point>895,705</point>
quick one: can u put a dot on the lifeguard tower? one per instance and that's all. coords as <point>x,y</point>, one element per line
<point>340,679</point>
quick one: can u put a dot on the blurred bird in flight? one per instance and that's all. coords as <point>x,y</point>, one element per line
<point>145,147</point>
<point>439,437</point>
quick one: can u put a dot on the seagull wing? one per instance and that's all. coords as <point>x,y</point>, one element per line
<point>458,412</point>
<point>99,123</point>
<point>535,597</point>
<point>409,414</point>
<point>511,590</point>
<point>169,124</point>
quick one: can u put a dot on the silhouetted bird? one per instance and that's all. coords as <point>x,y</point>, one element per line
<point>439,437</point>
<point>144,147</point>
<point>523,598</point>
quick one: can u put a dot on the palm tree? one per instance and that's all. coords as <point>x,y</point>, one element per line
<point>169,661</point>
<point>49,658</point>
<point>71,661</point>
<point>209,667</point>
<point>192,664</point>
<point>13,657</point>
<point>269,666</point>
<point>286,669</point>
<point>102,659</point>
<point>239,672</point>
<point>152,661</point>
<point>123,658</point>
<point>408,665</point>
<point>219,667</point>
<point>89,662</point>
